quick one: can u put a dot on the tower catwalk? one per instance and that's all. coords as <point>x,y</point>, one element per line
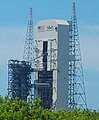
<point>77,97</point>
<point>28,48</point>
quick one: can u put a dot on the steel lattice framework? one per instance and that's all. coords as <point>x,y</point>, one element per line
<point>19,79</point>
<point>77,97</point>
<point>28,48</point>
<point>20,82</point>
<point>28,54</point>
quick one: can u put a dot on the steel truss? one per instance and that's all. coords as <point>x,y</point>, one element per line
<point>19,72</point>
<point>45,81</point>
<point>28,54</point>
<point>52,55</point>
<point>19,79</point>
<point>77,97</point>
<point>28,48</point>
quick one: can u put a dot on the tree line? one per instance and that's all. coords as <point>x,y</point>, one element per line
<point>15,109</point>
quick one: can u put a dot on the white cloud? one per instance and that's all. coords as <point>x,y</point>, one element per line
<point>89,38</point>
<point>11,43</point>
<point>90,28</point>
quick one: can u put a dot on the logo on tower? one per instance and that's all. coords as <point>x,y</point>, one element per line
<point>50,28</point>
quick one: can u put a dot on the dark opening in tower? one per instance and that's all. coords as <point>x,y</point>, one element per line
<point>43,87</point>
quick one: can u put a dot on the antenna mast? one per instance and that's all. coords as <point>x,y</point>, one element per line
<point>28,48</point>
<point>77,97</point>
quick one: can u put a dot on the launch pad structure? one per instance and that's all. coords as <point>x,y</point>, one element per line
<point>51,69</point>
<point>20,78</point>
<point>19,81</point>
<point>52,44</point>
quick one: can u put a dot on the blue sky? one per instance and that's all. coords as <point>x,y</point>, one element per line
<point>13,24</point>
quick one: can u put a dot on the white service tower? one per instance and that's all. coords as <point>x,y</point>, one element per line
<point>52,63</point>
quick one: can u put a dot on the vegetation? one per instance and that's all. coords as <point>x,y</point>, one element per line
<point>21,110</point>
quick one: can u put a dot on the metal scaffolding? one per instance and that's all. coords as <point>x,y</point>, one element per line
<point>42,65</point>
<point>44,84</point>
<point>77,97</point>
<point>52,55</point>
<point>19,79</point>
<point>43,88</point>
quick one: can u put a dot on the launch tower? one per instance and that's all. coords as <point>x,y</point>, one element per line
<point>52,61</point>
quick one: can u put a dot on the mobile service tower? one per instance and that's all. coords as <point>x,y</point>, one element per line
<point>52,63</point>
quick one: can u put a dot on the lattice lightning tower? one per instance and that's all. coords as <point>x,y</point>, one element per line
<point>28,48</point>
<point>28,54</point>
<point>77,98</point>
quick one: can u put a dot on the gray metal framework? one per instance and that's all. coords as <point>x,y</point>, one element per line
<point>43,88</point>
<point>20,83</point>
<point>28,54</point>
<point>28,48</point>
<point>77,97</point>
<point>19,79</point>
<point>44,84</point>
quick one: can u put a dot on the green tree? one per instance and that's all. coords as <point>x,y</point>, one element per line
<point>15,109</point>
